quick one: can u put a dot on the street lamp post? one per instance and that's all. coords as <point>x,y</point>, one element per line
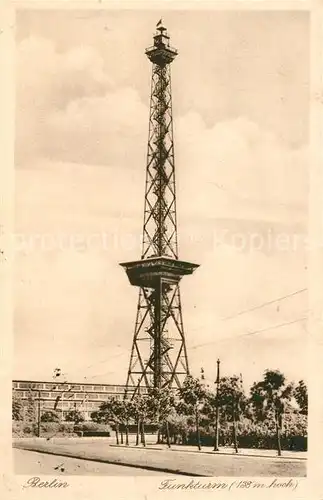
<point>217,416</point>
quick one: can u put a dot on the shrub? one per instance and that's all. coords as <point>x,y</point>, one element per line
<point>99,417</point>
<point>24,429</point>
<point>17,409</point>
<point>74,416</point>
<point>258,435</point>
<point>28,429</point>
<point>92,426</point>
<point>49,416</point>
<point>294,423</point>
<point>88,429</point>
<point>66,428</point>
<point>179,428</point>
<point>17,429</point>
<point>58,429</point>
<point>47,429</point>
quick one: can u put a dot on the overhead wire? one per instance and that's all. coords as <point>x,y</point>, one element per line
<point>274,327</point>
<point>245,311</point>
<point>103,361</point>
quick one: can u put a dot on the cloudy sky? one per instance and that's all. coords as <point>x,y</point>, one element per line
<point>240,98</point>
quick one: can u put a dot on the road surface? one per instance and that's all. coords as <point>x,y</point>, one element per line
<point>173,461</point>
<point>31,463</point>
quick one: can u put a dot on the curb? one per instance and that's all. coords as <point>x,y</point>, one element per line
<point>282,457</point>
<point>104,461</point>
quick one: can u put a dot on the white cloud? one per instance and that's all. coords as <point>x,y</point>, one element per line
<point>237,169</point>
<point>48,82</point>
<point>102,129</point>
<point>41,66</point>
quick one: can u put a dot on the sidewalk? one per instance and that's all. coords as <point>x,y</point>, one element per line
<point>151,445</point>
<point>246,452</point>
<point>190,463</point>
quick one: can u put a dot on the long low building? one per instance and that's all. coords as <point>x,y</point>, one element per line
<point>64,397</point>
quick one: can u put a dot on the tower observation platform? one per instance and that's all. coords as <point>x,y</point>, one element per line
<point>158,354</point>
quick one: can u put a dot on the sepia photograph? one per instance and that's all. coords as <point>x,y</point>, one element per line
<point>160,245</point>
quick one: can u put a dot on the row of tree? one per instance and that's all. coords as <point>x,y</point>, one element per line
<point>198,405</point>
<point>195,406</point>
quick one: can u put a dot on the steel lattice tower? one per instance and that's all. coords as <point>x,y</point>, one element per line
<point>158,355</point>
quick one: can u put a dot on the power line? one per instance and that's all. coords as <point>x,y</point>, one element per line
<point>264,304</point>
<point>101,362</point>
<point>230,191</point>
<point>274,327</point>
<point>100,374</point>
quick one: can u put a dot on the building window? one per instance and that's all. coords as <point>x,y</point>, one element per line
<point>37,386</point>
<point>60,387</point>
<point>44,394</point>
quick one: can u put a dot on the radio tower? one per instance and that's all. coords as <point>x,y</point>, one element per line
<point>158,355</point>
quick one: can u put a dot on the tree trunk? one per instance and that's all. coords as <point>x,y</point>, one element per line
<point>279,450</point>
<point>121,435</point>
<point>159,431</point>
<point>138,432</point>
<point>117,434</point>
<point>167,434</point>
<point>235,442</point>
<point>234,428</point>
<point>127,435</point>
<point>198,436</point>
<point>143,437</point>
<point>216,431</point>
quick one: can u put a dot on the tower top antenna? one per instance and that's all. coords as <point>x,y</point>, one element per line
<point>160,27</point>
<point>161,53</point>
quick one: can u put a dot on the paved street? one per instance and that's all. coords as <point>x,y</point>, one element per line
<point>172,461</point>
<point>31,463</point>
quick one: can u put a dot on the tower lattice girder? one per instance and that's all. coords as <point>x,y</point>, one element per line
<point>158,355</point>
